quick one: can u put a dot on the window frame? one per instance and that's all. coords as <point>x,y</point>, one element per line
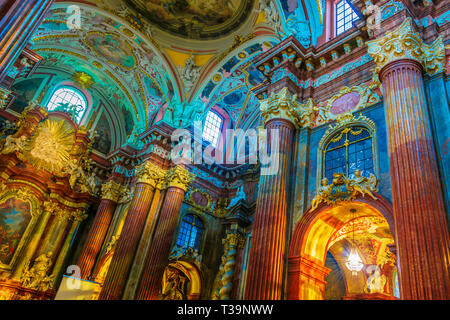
<point>354,11</point>
<point>202,228</point>
<point>346,144</point>
<point>219,129</point>
<point>361,121</point>
<point>82,93</point>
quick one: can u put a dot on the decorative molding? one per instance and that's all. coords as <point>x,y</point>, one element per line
<point>196,207</point>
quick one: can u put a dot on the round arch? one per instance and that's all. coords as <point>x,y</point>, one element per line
<point>311,237</point>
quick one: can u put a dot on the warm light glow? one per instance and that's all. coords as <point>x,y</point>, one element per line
<point>354,262</point>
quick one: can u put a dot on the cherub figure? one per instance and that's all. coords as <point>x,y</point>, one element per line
<point>322,194</point>
<point>361,184</point>
<point>75,172</point>
<point>13,144</point>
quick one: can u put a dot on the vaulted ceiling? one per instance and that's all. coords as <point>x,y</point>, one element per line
<point>138,52</point>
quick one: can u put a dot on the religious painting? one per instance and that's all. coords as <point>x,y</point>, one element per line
<point>26,91</point>
<point>195,19</point>
<point>15,216</point>
<point>112,48</point>
<point>102,141</point>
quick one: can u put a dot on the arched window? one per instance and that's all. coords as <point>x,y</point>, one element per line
<point>190,234</point>
<point>345,16</point>
<point>212,128</point>
<point>68,99</point>
<point>347,150</point>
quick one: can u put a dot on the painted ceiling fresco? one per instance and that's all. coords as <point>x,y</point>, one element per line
<point>195,19</point>
<point>121,44</point>
<point>124,66</point>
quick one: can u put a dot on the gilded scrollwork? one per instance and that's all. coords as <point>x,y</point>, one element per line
<point>344,189</point>
<point>35,277</point>
<point>127,195</point>
<point>404,43</point>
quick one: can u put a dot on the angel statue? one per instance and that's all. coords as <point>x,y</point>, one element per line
<point>13,144</point>
<point>322,194</point>
<point>363,185</point>
<point>174,286</point>
<point>75,172</point>
<point>240,195</point>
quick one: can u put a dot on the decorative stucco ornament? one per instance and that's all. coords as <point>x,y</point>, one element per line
<point>404,43</point>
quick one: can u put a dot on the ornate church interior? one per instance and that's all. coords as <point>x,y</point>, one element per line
<point>224,150</point>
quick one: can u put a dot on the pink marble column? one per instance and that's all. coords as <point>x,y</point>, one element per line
<point>158,254</point>
<point>422,235</point>
<point>96,237</point>
<point>266,261</point>
<point>127,244</point>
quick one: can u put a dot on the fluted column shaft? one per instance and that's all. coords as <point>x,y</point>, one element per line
<point>422,235</point>
<point>266,261</point>
<point>158,254</point>
<point>18,22</point>
<point>96,237</point>
<point>126,245</point>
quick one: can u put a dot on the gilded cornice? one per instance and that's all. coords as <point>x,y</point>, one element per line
<point>112,191</point>
<point>179,177</point>
<point>150,173</point>
<point>404,43</point>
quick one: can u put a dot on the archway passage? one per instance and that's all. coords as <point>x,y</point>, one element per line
<point>322,242</point>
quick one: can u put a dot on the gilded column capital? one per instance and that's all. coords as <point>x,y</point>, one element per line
<point>281,105</point>
<point>63,215</point>
<point>150,173</point>
<point>112,191</point>
<point>78,215</point>
<point>179,177</point>
<point>127,195</point>
<point>404,43</point>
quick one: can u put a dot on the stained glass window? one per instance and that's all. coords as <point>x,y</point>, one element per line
<point>70,100</point>
<point>345,16</point>
<point>190,234</point>
<point>348,150</point>
<point>212,128</point>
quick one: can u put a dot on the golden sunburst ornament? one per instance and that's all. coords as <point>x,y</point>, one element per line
<point>50,146</point>
<point>83,79</point>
